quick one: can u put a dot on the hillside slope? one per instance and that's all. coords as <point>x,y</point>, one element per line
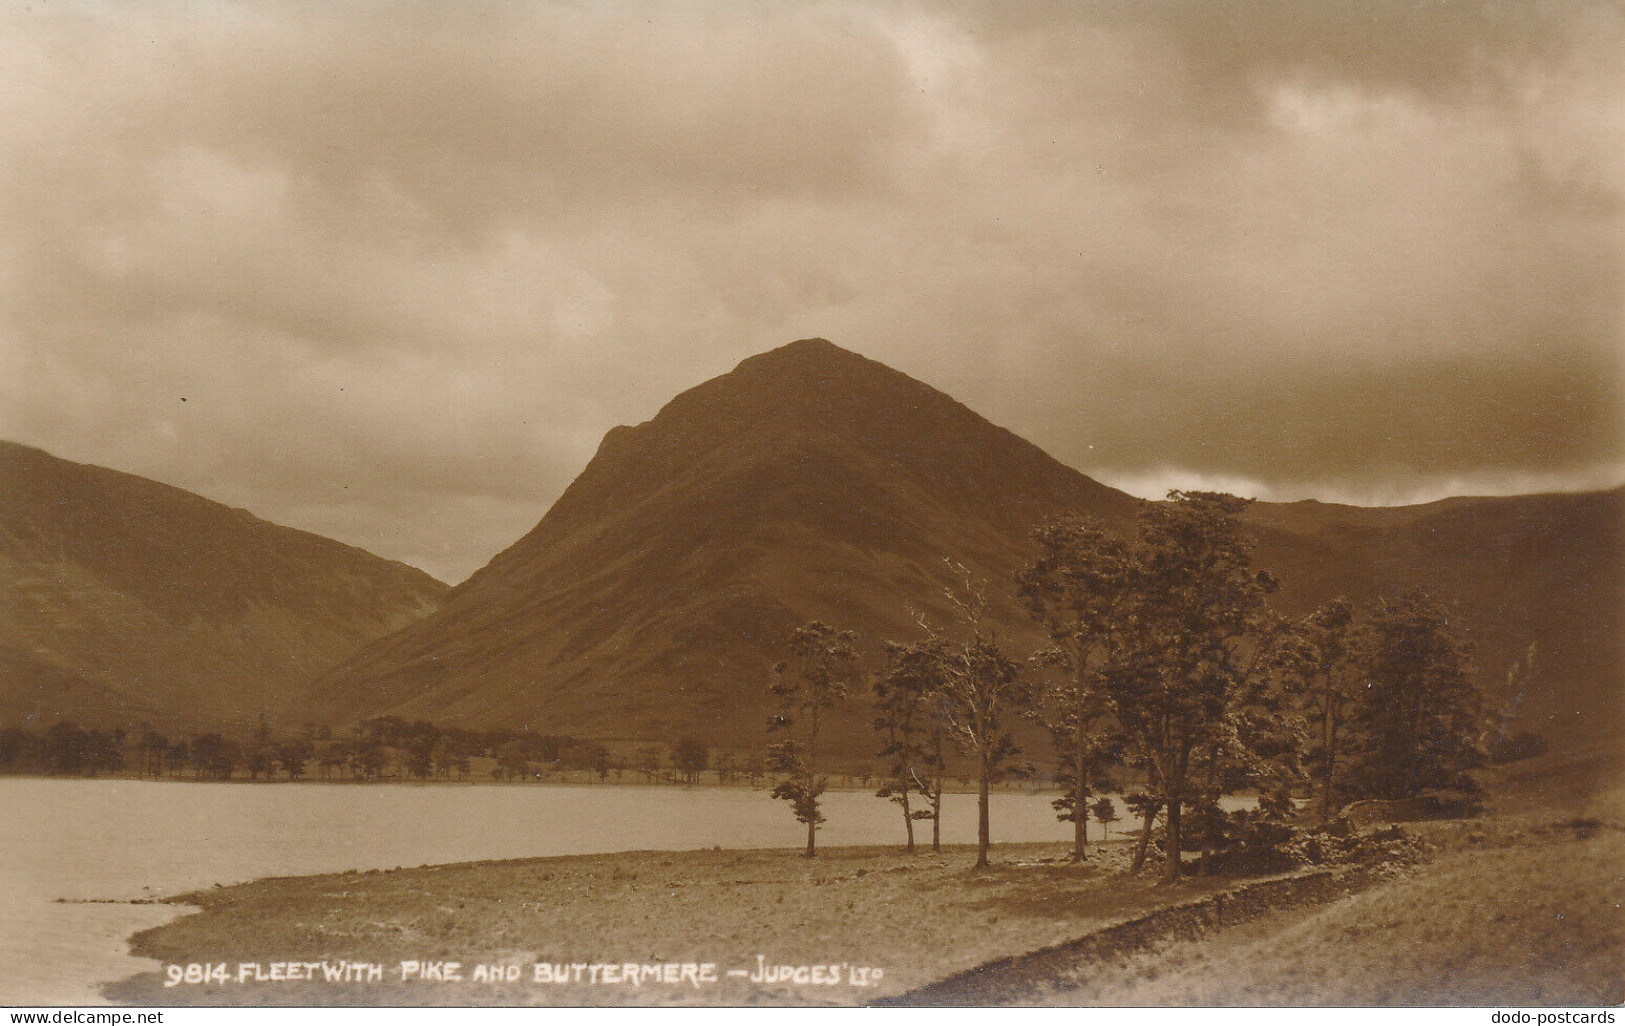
<point>1541,570</point>
<point>654,597</point>
<point>122,599</point>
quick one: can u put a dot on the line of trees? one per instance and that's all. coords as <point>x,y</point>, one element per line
<point>1164,660</point>
<point>378,749</point>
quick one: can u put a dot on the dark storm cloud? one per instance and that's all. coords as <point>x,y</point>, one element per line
<point>407,262</point>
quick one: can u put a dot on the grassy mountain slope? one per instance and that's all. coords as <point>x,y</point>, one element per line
<point>122,599</point>
<point>654,597</point>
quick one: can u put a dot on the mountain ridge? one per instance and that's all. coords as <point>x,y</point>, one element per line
<point>810,482</point>
<point>191,610</point>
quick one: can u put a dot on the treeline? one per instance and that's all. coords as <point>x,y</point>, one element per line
<point>1166,663</point>
<point>380,749</point>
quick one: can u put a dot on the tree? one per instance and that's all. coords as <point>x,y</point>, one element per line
<point>906,703</point>
<point>1106,813</point>
<point>727,767</point>
<point>214,756</point>
<point>178,756</point>
<point>647,760</point>
<point>976,687</point>
<point>1419,714</point>
<point>818,676</point>
<point>691,757</point>
<point>1074,589</point>
<point>67,748</point>
<point>513,760</point>
<point>291,756</point>
<point>1146,809</point>
<point>151,751</point>
<point>1322,663</point>
<point>1187,638</point>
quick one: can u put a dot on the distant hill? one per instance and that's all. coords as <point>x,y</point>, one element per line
<point>652,600</point>
<point>122,600</point>
<point>1528,569</point>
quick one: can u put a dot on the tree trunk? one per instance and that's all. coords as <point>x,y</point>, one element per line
<point>1080,808</point>
<point>982,832</point>
<point>812,834</point>
<point>1146,823</point>
<point>1173,871</point>
<point>936,817</point>
<point>908,821</point>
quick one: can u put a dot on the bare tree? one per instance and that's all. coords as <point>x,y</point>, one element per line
<point>976,687</point>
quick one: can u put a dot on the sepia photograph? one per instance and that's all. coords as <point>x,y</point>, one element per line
<point>651,503</point>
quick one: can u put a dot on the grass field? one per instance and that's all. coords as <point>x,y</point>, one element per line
<point>1511,917</point>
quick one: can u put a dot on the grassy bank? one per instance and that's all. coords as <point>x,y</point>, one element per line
<point>1512,915</point>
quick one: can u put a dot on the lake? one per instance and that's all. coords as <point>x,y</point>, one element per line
<point>109,841</point>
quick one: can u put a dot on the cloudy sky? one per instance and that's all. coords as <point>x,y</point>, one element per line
<point>388,271</point>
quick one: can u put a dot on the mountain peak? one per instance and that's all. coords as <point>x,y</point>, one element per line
<point>811,360</point>
<point>805,352</point>
<point>809,345</point>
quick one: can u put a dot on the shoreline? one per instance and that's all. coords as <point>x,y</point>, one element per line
<point>568,910</point>
<point>948,788</point>
<point>1531,910</point>
<point>1530,893</point>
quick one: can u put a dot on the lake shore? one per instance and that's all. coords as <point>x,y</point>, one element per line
<point>1518,907</point>
<point>913,918</point>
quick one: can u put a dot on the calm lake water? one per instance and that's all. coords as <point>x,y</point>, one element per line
<point>117,840</point>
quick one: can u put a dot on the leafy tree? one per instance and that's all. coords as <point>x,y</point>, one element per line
<point>67,748</point>
<point>291,757</point>
<point>419,754</point>
<point>691,757</point>
<point>1074,589</point>
<point>442,756</point>
<point>513,760</point>
<point>331,757</point>
<point>151,751</point>
<point>1106,813</point>
<point>1146,809</point>
<point>257,759</point>
<point>14,744</point>
<point>366,759</point>
<point>178,756</point>
<point>818,676</point>
<point>648,762</point>
<point>214,756</point>
<point>1322,661</point>
<point>1188,637</point>
<point>908,721</point>
<point>754,768</point>
<point>1419,715</point>
<point>726,766</point>
<point>601,763</point>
